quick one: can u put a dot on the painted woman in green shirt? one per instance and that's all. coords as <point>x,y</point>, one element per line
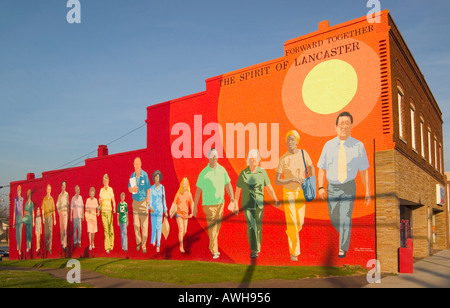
<point>28,219</point>
<point>251,183</point>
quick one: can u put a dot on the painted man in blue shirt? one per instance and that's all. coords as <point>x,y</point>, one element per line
<point>139,186</point>
<point>340,161</point>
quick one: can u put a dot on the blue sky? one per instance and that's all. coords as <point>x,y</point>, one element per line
<point>66,88</point>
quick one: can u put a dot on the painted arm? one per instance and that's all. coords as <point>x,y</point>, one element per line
<point>113,201</point>
<point>229,189</point>
<point>164,202</point>
<point>321,179</point>
<point>237,196</point>
<point>150,202</point>
<point>196,199</point>
<point>281,181</point>
<point>192,206</point>
<point>148,196</point>
<point>272,194</point>
<point>312,171</point>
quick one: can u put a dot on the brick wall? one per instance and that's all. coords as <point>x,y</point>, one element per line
<point>400,181</point>
<point>407,78</point>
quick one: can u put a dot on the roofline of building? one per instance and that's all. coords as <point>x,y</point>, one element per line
<point>401,43</point>
<point>51,173</point>
<point>324,27</point>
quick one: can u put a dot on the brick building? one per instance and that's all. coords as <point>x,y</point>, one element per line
<point>410,176</point>
<point>360,67</point>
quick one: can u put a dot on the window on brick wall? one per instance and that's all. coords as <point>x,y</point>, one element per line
<point>422,139</point>
<point>441,155</point>
<point>400,113</point>
<point>435,154</point>
<point>429,146</point>
<point>413,128</point>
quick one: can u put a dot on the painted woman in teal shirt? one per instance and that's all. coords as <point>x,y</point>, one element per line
<point>157,208</point>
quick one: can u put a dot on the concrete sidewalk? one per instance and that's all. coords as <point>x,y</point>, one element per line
<point>431,272</point>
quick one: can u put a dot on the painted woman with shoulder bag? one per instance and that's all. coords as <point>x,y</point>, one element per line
<point>157,208</point>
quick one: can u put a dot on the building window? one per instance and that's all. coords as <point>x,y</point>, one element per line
<point>400,113</point>
<point>441,168</point>
<point>435,154</point>
<point>422,139</point>
<point>413,128</point>
<point>429,146</point>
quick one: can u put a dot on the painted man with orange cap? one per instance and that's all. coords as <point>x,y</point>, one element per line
<point>292,168</point>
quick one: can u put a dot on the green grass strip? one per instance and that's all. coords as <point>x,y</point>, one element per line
<point>191,272</point>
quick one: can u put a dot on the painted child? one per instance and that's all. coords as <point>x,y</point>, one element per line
<point>38,228</point>
<point>182,202</point>
<point>122,221</point>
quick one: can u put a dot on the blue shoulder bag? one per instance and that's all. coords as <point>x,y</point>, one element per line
<point>309,185</point>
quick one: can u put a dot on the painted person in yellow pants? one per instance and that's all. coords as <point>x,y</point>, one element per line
<point>292,168</point>
<point>294,211</point>
<point>108,207</point>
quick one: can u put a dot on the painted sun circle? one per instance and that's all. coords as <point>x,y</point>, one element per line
<point>315,92</point>
<point>329,86</point>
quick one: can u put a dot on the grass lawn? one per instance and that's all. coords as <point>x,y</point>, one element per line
<point>190,272</point>
<point>33,279</point>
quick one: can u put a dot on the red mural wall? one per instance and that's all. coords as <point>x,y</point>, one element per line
<point>320,75</point>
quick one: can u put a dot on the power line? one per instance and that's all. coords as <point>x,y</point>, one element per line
<point>77,160</point>
<point>109,143</point>
<point>127,134</point>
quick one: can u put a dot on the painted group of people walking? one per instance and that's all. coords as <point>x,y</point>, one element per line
<point>145,198</point>
<point>340,161</point>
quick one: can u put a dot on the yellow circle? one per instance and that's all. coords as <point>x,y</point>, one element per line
<point>329,86</point>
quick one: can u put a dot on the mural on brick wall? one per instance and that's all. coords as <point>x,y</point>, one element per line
<point>271,164</point>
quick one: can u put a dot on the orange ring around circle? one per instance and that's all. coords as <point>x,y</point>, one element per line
<point>366,63</point>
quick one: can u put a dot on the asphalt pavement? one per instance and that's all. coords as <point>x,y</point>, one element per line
<point>430,272</point>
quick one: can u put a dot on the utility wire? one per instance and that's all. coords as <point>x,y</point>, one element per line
<point>127,134</point>
<point>117,139</point>
<point>76,161</point>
